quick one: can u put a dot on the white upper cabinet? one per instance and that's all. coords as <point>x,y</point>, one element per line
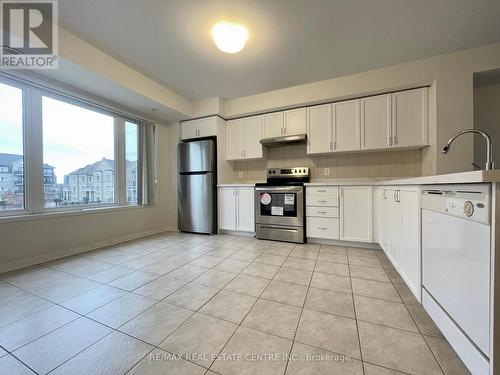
<point>346,123</point>
<point>253,135</point>
<point>235,139</point>
<point>409,118</point>
<point>356,205</point>
<point>205,127</point>
<point>242,138</point>
<point>376,122</point>
<point>295,121</point>
<point>319,129</point>
<point>273,124</point>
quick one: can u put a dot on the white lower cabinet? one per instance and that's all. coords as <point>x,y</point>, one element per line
<point>322,212</point>
<point>399,232</point>
<point>356,207</point>
<point>236,209</point>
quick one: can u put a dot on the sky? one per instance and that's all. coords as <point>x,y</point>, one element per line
<point>73,137</point>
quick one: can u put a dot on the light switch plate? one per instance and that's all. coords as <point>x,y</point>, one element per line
<point>240,174</point>
<point>326,171</point>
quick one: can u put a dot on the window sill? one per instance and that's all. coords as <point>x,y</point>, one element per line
<point>19,216</point>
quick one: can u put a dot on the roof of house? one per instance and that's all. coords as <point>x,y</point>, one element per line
<point>99,166</point>
<point>8,159</point>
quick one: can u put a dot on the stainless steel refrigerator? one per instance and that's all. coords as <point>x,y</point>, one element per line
<point>196,186</point>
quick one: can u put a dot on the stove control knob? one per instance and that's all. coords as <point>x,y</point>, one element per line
<point>468,209</point>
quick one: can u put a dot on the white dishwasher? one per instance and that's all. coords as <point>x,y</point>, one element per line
<point>456,268</point>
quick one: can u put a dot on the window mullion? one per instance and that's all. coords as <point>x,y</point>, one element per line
<point>33,151</point>
<point>120,198</point>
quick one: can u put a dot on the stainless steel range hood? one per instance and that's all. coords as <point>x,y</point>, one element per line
<point>284,140</point>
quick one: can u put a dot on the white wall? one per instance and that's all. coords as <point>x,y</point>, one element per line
<point>41,239</point>
<point>487,118</point>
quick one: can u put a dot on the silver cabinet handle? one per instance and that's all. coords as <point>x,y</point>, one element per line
<point>395,140</point>
<point>335,145</point>
<point>321,228</point>
<point>331,146</point>
<point>395,195</point>
<point>322,212</point>
<point>385,196</point>
<point>321,201</point>
<point>390,141</point>
<point>321,191</point>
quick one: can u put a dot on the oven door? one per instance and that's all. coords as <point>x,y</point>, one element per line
<point>279,205</point>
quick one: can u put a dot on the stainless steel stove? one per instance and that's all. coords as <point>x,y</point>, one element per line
<point>280,205</point>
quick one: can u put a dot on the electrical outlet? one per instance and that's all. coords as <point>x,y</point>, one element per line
<point>240,174</point>
<point>326,171</point>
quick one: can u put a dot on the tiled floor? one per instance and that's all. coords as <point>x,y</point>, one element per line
<point>188,304</point>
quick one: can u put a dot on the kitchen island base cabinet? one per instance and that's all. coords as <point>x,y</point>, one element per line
<point>236,209</point>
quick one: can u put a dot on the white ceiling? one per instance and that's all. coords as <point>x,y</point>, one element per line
<point>291,41</point>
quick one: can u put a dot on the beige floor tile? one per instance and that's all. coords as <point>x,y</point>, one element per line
<point>329,332</point>
<point>251,344</point>
<point>307,247</point>
<point>308,360</point>
<point>424,321</point>
<point>248,256</point>
<point>250,285</point>
<point>121,310</point>
<point>299,263</point>
<point>376,289</point>
<point>274,318</point>
<point>200,338</point>
<point>160,288</point>
<point>365,261</point>
<point>26,330</point>
<point>266,271</point>
<point>110,274</point>
<point>192,296</point>
<point>187,272</point>
<point>371,369</point>
<point>11,366</point>
<point>332,268</point>
<point>79,266</point>
<point>333,249</point>
<point>361,252</point>
<point>159,362</point>
<point>133,280</point>
<point>21,304</point>
<point>304,253</point>
<point>330,301</point>
<point>273,259</point>
<point>207,260</point>
<point>291,275</point>
<point>406,294</point>
<point>331,282</point>
<point>93,299</point>
<point>332,257</point>
<point>229,306</point>
<point>370,273</point>
<point>232,265</point>
<point>392,314</point>
<point>395,277</point>
<point>50,351</point>
<point>280,251</point>
<point>215,278</point>
<point>396,349</point>
<point>2,352</point>
<point>115,354</point>
<point>156,323</point>
<point>446,356</point>
<point>291,294</point>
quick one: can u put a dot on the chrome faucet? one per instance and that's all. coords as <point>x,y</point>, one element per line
<point>489,148</point>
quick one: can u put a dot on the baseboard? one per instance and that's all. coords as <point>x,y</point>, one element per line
<point>343,243</point>
<point>237,233</point>
<point>31,261</point>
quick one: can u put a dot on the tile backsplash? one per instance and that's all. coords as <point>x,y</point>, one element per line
<point>407,163</point>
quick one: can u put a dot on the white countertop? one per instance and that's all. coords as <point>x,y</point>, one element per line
<point>451,178</point>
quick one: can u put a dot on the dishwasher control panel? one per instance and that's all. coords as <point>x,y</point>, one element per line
<point>470,208</point>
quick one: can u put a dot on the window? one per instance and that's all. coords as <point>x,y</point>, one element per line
<point>76,141</point>
<point>131,153</point>
<point>11,148</point>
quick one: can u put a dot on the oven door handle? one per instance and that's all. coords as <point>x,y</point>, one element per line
<point>279,228</point>
<point>279,188</point>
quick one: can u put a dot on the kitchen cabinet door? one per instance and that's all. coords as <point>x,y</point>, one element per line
<point>207,127</point>
<point>227,208</point>
<point>319,129</point>
<point>384,219</point>
<point>347,126</point>
<point>409,118</point>
<point>295,121</point>
<point>253,135</point>
<point>394,228</point>
<point>273,124</point>
<point>189,129</point>
<point>376,122</point>
<point>356,212</point>
<point>410,240</point>
<point>235,139</point>
<point>245,210</point>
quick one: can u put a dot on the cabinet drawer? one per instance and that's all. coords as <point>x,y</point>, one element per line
<point>322,227</point>
<point>322,190</point>
<point>322,200</point>
<point>322,212</point>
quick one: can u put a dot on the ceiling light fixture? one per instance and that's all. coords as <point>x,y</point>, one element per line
<point>229,37</point>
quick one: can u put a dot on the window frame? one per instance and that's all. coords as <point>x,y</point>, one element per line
<point>32,129</point>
